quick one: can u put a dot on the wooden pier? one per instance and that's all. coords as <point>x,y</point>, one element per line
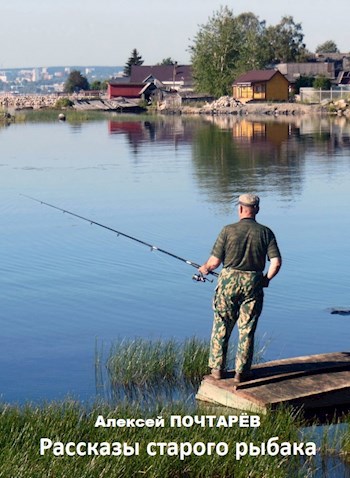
<point>311,382</point>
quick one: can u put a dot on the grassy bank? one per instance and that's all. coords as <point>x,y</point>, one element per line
<point>22,428</point>
<point>149,379</point>
<point>48,115</point>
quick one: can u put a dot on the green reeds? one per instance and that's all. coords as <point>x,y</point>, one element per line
<point>143,362</point>
<point>345,442</point>
<point>21,429</point>
<point>153,371</point>
<point>49,115</point>
<point>145,367</point>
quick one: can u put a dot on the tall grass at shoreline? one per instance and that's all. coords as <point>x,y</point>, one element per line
<point>177,367</point>
<point>143,362</point>
<point>345,442</point>
<point>50,115</point>
<point>154,371</point>
<point>22,428</point>
<point>151,379</point>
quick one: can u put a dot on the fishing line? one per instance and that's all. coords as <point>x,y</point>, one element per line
<point>197,277</point>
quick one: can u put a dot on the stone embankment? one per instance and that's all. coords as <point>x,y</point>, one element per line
<point>340,107</point>
<point>11,103</point>
<point>20,102</point>
<point>228,105</point>
<point>224,105</point>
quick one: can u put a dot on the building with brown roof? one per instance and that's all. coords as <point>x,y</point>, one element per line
<point>176,77</point>
<point>293,71</point>
<point>261,85</point>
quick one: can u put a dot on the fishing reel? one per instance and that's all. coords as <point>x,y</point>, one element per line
<point>200,278</point>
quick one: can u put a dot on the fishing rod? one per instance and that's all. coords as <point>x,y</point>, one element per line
<point>197,277</point>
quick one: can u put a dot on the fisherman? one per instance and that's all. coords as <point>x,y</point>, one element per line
<point>242,248</point>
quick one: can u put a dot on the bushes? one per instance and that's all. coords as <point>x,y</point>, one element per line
<point>63,103</point>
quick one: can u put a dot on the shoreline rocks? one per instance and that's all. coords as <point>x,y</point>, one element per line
<point>225,105</point>
<point>230,106</point>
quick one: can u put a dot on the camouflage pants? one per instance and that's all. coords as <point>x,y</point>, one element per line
<point>238,298</point>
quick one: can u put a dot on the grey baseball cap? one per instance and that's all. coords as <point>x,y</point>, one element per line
<point>250,200</point>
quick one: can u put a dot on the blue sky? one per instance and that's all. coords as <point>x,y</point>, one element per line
<point>103,32</point>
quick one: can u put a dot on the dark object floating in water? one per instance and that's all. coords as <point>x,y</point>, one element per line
<point>340,311</point>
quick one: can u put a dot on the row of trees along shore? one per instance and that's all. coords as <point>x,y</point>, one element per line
<point>227,46</point>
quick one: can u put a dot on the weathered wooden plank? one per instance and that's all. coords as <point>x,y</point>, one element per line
<point>310,381</point>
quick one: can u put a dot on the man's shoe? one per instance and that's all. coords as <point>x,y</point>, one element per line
<point>243,376</point>
<point>217,373</point>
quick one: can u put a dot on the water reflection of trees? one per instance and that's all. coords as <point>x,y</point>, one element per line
<point>233,155</point>
<point>250,156</point>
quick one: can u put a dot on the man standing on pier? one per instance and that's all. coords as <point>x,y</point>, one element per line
<point>242,248</point>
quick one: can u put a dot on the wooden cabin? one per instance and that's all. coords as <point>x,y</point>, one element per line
<point>261,85</point>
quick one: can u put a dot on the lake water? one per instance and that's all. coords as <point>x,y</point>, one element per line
<point>67,285</point>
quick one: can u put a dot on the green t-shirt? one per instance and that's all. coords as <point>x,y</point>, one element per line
<point>245,245</point>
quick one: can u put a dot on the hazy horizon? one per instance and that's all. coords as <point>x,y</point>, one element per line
<point>43,33</point>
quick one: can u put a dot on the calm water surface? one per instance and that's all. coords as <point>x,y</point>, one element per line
<point>67,285</point>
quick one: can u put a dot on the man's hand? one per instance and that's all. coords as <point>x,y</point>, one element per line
<point>203,269</point>
<point>211,264</point>
<point>265,281</point>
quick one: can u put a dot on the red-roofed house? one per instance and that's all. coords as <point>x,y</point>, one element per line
<point>261,85</point>
<point>125,90</point>
<point>123,87</point>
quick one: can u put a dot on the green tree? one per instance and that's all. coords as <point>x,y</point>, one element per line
<point>134,59</point>
<point>303,82</point>
<point>328,46</point>
<point>252,52</point>
<point>167,61</point>
<point>227,46</point>
<point>75,82</point>
<point>322,83</point>
<point>284,42</point>
<point>215,52</point>
<point>99,85</point>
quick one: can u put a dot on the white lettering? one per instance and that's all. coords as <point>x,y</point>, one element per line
<point>100,422</point>
<point>45,444</point>
<point>81,445</point>
<point>175,421</point>
<point>150,447</point>
<point>221,422</point>
<point>298,448</point>
<point>185,449</point>
<point>221,448</point>
<point>272,448</point>
<point>241,449</point>
<point>159,422</point>
<point>244,421</point>
<point>255,421</point>
<point>232,419</point>
<point>310,448</point>
<point>187,421</point>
